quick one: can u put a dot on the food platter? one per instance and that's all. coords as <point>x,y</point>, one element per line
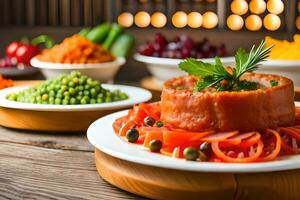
<point>111,144</point>
<point>59,118</point>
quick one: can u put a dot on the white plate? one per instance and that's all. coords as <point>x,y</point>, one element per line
<point>136,95</point>
<point>287,68</point>
<point>99,71</point>
<point>101,135</point>
<point>165,68</point>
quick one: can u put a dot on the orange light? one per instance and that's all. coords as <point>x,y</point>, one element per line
<point>298,23</point>
<point>257,6</point>
<point>272,22</point>
<point>235,22</point>
<point>239,7</point>
<point>210,20</point>
<point>158,20</point>
<point>253,23</point>
<point>142,19</point>
<point>179,19</point>
<point>194,20</point>
<point>125,19</point>
<point>275,6</point>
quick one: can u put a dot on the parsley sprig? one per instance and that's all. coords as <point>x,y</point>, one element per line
<point>212,75</point>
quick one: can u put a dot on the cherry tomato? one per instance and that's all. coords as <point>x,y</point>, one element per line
<point>25,52</point>
<point>12,48</point>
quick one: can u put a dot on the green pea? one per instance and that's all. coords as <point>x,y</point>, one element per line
<point>57,101</point>
<point>108,99</point>
<point>155,145</point>
<point>132,135</point>
<point>45,97</point>
<point>99,100</point>
<point>93,101</point>
<point>86,93</point>
<point>65,102</point>
<point>190,153</point>
<point>83,101</point>
<point>66,93</point>
<point>64,81</point>
<point>72,91</point>
<point>73,101</point>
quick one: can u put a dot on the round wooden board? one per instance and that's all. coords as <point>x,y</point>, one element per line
<point>155,86</point>
<point>48,121</point>
<point>160,183</point>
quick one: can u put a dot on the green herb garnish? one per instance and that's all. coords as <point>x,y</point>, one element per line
<point>214,75</point>
<point>273,83</point>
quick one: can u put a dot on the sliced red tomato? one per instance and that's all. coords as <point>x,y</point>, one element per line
<point>180,137</point>
<point>219,136</point>
<point>144,129</point>
<point>290,140</point>
<point>141,139</point>
<point>272,145</point>
<point>128,124</point>
<point>238,155</point>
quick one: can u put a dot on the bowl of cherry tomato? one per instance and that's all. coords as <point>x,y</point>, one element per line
<point>162,56</point>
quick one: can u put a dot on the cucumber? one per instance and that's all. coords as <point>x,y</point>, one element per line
<point>122,46</point>
<point>98,33</point>
<point>83,32</point>
<point>113,34</point>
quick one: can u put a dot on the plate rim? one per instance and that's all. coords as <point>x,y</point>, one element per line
<point>74,108</point>
<point>271,166</point>
<point>173,61</point>
<point>35,62</point>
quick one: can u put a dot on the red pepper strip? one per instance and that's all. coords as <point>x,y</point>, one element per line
<point>180,137</point>
<point>219,136</point>
<point>220,154</point>
<point>129,124</point>
<point>273,155</point>
<point>149,111</point>
<point>118,124</point>
<point>250,141</point>
<point>237,139</point>
<point>153,135</point>
<point>295,133</point>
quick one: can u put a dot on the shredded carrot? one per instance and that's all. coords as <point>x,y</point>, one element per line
<point>4,83</point>
<point>76,50</point>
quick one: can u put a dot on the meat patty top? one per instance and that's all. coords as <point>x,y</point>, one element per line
<point>266,107</point>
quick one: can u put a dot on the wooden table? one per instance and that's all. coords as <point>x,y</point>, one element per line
<point>51,166</point>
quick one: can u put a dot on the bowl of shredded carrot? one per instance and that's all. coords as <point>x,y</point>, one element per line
<point>78,53</point>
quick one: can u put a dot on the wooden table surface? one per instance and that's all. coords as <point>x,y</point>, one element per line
<point>51,166</point>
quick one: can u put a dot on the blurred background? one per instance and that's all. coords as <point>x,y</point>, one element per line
<point>62,18</point>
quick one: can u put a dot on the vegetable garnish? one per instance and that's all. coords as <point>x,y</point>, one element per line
<point>273,83</point>
<point>209,146</point>
<point>216,75</point>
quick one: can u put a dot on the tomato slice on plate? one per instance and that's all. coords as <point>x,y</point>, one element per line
<point>127,125</point>
<point>118,124</point>
<point>153,135</point>
<point>272,145</point>
<point>290,140</point>
<point>238,154</point>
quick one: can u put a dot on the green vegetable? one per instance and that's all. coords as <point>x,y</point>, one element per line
<point>113,34</point>
<point>83,32</point>
<point>159,124</point>
<point>132,135</point>
<point>98,33</point>
<point>155,145</point>
<point>43,39</point>
<point>190,153</point>
<point>274,83</point>
<point>215,75</point>
<point>73,88</point>
<point>122,46</point>
<point>149,121</point>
